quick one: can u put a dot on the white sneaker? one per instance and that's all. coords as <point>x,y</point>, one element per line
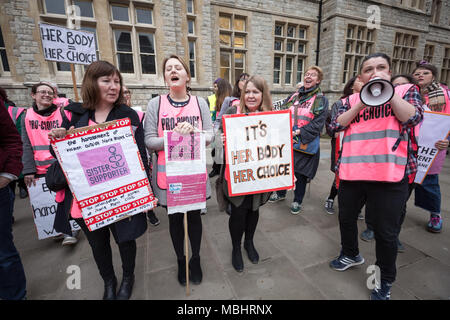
<point>69,240</point>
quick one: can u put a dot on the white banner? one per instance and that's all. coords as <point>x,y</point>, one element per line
<point>258,152</point>
<point>435,126</point>
<point>185,171</point>
<point>44,206</point>
<point>105,172</point>
<point>66,45</point>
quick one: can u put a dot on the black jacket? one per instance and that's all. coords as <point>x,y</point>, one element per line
<point>123,230</point>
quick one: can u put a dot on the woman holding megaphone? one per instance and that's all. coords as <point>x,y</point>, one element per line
<point>374,165</point>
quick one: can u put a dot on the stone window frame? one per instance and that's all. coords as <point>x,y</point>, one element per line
<point>445,69</point>
<point>413,4</point>
<point>428,52</point>
<point>4,55</point>
<point>404,54</point>
<point>359,42</point>
<point>61,69</point>
<point>191,51</point>
<point>436,11</point>
<point>135,29</point>
<point>230,49</point>
<point>288,37</point>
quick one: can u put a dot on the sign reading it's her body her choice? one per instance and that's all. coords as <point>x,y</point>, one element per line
<point>66,45</point>
<point>185,171</point>
<point>43,205</point>
<point>258,151</point>
<point>435,126</point>
<point>105,172</point>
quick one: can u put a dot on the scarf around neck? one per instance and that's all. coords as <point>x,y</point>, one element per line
<point>305,95</point>
<point>436,97</point>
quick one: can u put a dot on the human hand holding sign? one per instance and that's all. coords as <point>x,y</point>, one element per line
<point>58,133</point>
<point>184,128</point>
<point>441,144</point>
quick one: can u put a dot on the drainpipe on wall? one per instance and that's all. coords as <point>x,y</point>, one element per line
<point>319,27</point>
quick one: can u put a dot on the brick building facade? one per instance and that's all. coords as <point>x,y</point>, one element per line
<point>276,39</point>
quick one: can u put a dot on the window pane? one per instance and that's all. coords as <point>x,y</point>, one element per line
<point>301,48</point>
<point>55,6</point>
<point>85,8</point>
<point>148,64</point>
<point>125,62</point>
<point>278,30</point>
<point>278,46</point>
<point>302,33</point>
<point>225,40</point>
<point>144,16</point>
<point>4,61</point>
<point>239,42</point>
<point>299,70</point>
<point>239,60</point>
<point>190,6</point>
<point>239,24</point>
<point>276,68</point>
<point>291,31</point>
<point>192,68</point>
<point>146,43</point>
<point>191,50</point>
<point>290,47</point>
<point>62,66</point>
<point>225,59</point>
<point>2,43</point>
<point>190,26</point>
<point>120,13</point>
<point>123,41</point>
<point>225,23</point>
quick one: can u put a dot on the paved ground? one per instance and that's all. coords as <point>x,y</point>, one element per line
<point>294,255</point>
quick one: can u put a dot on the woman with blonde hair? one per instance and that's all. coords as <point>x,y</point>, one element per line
<point>255,97</point>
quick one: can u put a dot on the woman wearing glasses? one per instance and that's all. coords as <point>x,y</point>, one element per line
<point>39,120</point>
<point>309,110</point>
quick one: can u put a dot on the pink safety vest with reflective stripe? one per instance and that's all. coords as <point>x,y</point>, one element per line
<point>141,115</point>
<point>15,112</point>
<point>61,101</point>
<point>304,114</point>
<point>168,118</point>
<point>38,127</point>
<point>367,145</point>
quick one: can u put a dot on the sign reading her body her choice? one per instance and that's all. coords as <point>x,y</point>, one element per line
<point>435,126</point>
<point>66,45</point>
<point>44,206</point>
<point>185,171</point>
<point>105,172</point>
<point>258,151</point>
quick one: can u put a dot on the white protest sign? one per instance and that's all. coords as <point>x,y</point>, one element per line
<point>277,104</point>
<point>259,152</point>
<point>185,171</point>
<point>66,45</point>
<point>44,206</point>
<point>435,126</point>
<point>105,172</point>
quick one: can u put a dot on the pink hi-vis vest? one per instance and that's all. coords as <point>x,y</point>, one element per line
<point>367,145</point>
<point>168,118</point>
<point>15,112</point>
<point>447,102</point>
<point>38,127</point>
<point>304,114</point>
<point>61,101</point>
<point>141,115</point>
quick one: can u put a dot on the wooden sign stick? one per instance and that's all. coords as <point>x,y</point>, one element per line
<point>74,80</point>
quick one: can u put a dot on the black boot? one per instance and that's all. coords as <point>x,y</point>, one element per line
<point>236,259</point>
<point>251,251</point>
<point>196,274</point>
<point>182,271</point>
<point>126,287</point>
<point>110,289</point>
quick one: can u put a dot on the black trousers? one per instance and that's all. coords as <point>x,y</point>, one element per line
<point>176,228</point>
<point>99,240</point>
<point>385,203</point>
<point>243,220</point>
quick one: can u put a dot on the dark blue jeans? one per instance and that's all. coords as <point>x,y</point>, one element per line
<point>12,275</point>
<point>300,188</point>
